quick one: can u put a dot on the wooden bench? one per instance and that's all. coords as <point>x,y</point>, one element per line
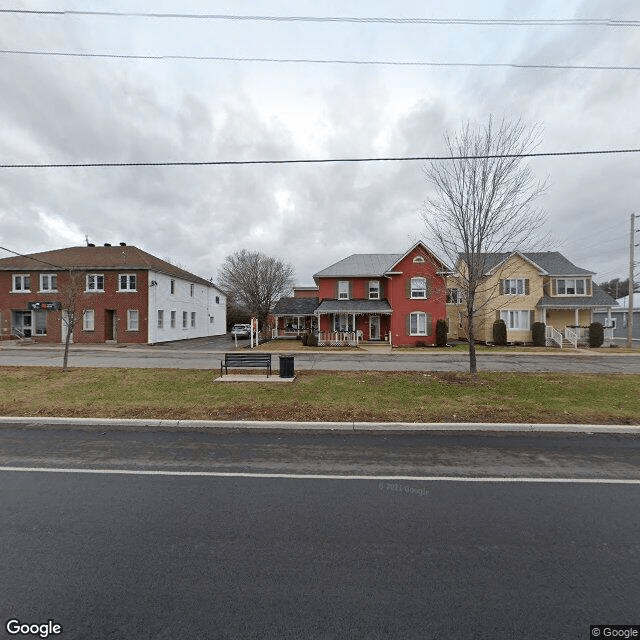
<point>245,360</point>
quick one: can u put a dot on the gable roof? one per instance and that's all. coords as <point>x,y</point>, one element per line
<point>361,264</point>
<point>108,258</point>
<point>550,263</point>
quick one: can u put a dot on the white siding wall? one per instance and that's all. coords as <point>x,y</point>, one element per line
<point>211,317</point>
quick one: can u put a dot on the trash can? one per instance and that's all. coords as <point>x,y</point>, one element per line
<point>286,367</point>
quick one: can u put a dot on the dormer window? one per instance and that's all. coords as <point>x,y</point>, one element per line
<point>571,286</point>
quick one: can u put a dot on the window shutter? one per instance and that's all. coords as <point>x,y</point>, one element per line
<point>350,290</point>
<point>407,289</point>
<point>526,287</point>
<point>501,287</point>
<point>532,318</point>
<point>381,289</point>
<point>429,324</point>
<point>427,289</point>
<point>337,289</point>
<point>553,287</point>
<point>497,314</point>
<point>588,290</point>
<point>407,324</point>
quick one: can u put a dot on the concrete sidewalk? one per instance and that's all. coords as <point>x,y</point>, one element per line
<point>329,427</point>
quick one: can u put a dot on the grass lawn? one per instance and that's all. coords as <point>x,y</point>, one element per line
<point>332,396</point>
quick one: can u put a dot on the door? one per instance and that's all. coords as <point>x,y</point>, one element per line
<point>65,327</point>
<point>22,323</point>
<point>109,324</point>
<point>374,327</point>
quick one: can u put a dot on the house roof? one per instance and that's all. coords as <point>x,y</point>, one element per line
<point>361,264</point>
<point>624,302</point>
<point>85,257</point>
<point>600,298</point>
<point>295,306</point>
<point>354,306</point>
<point>551,263</point>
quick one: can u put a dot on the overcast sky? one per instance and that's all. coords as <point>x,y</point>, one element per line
<point>68,110</point>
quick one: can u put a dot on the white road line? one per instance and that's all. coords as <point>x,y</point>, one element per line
<point>300,476</point>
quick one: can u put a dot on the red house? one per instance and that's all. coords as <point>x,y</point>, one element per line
<point>382,297</point>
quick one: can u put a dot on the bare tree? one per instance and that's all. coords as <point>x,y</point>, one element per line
<point>254,281</point>
<point>71,298</point>
<point>483,205</point>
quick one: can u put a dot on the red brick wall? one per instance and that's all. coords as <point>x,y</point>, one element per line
<point>111,299</point>
<point>303,293</point>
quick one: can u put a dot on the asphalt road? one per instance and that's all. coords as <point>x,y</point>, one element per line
<point>208,356</point>
<point>152,552</point>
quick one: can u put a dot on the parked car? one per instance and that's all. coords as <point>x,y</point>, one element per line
<point>241,330</point>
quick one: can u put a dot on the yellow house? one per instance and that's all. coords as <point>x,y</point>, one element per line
<point>523,288</point>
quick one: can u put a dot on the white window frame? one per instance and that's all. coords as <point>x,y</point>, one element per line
<point>217,299</point>
<point>343,322</point>
<point>92,278</point>
<point>571,283</point>
<point>21,279</point>
<point>192,289</point>
<point>160,318</point>
<point>133,320</point>
<point>516,319</point>
<point>49,282</point>
<point>343,290</point>
<point>454,295</point>
<point>514,287</point>
<point>374,289</point>
<point>417,318</point>
<point>36,320</point>
<point>130,282</point>
<point>193,319</point>
<point>185,320</point>
<point>172,286</point>
<point>418,288</point>
<point>88,320</point>
<point>173,319</point>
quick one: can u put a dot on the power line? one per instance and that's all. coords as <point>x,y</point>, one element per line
<point>61,165</point>
<point>597,22</point>
<point>122,56</point>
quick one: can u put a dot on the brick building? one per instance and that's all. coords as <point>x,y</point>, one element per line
<point>124,295</point>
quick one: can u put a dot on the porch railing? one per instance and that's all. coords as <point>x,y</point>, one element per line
<point>553,337</point>
<point>571,336</point>
<point>337,339</point>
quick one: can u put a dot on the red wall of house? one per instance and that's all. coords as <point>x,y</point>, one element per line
<point>111,299</point>
<point>393,288</point>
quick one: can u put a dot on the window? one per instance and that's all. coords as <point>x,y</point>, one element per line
<point>88,320</point>
<point>160,318</point>
<point>185,319</point>
<point>95,282</point>
<point>193,319</point>
<point>173,286</point>
<point>127,282</point>
<point>217,299</point>
<point>419,259</point>
<point>418,287</point>
<point>454,296</point>
<point>22,283</point>
<point>571,287</point>
<point>173,319</point>
<point>516,320</point>
<point>343,290</point>
<point>192,289</point>
<point>40,322</point>
<point>514,287</point>
<point>132,320</point>
<point>343,322</point>
<point>419,324</point>
<point>48,282</point>
<point>374,290</point>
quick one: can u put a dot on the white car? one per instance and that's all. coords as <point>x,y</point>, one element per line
<point>241,330</point>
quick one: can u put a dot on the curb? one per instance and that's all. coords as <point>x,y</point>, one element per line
<point>138,424</point>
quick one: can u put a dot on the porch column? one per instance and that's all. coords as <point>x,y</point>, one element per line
<point>354,322</point>
<point>543,315</point>
<point>577,317</point>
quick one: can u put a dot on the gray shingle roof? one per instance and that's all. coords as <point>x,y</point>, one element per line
<point>361,264</point>
<point>552,263</point>
<point>295,306</point>
<point>354,306</point>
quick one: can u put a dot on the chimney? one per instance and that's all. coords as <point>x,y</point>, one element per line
<point>106,244</point>
<point>123,244</point>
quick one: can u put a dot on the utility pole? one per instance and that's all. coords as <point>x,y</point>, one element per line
<point>632,240</point>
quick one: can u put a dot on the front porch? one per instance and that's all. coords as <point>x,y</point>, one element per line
<point>350,322</point>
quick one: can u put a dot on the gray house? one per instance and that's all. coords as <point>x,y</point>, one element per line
<point>616,320</point>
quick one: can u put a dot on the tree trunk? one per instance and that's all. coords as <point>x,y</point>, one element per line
<point>67,342</point>
<point>473,365</point>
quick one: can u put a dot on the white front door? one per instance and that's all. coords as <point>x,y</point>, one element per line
<point>374,327</point>
<point>65,327</point>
